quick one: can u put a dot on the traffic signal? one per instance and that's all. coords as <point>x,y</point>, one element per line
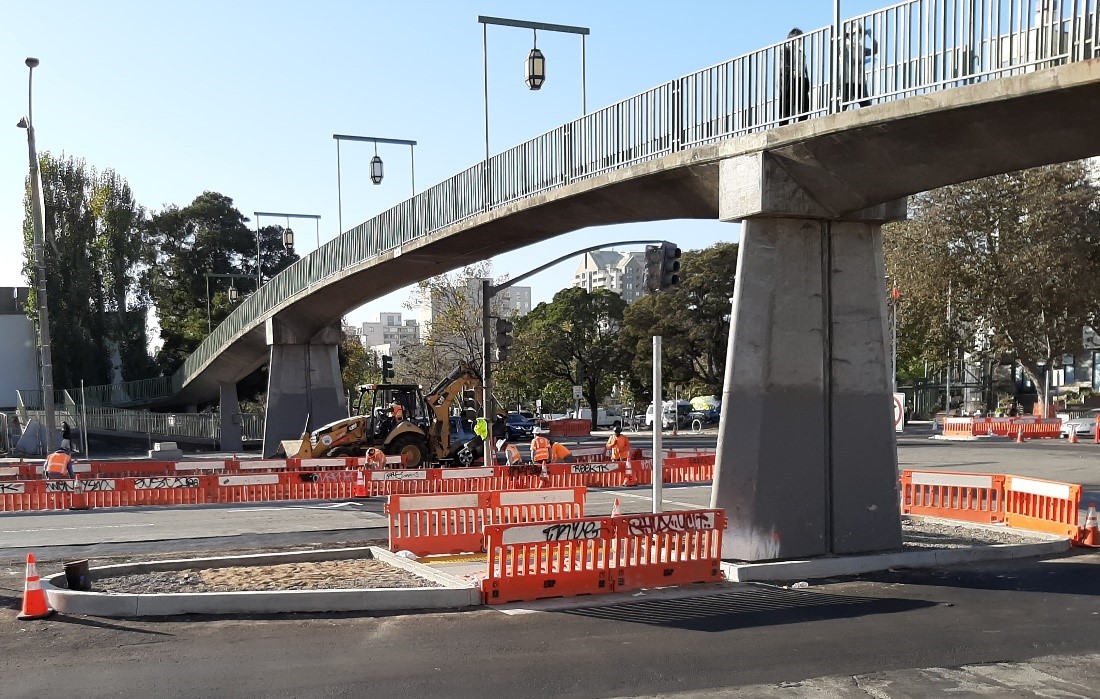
<point>670,265</point>
<point>387,367</point>
<point>504,338</point>
<point>654,260</point>
<point>662,266</point>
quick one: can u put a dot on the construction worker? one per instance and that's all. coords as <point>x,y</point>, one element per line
<point>375,458</point>
<point>398,411</point>
<point>619,445</point>
<point>514,457</point>
<point>540,448</point>
<point>60,464</point>
<point>559,453</point>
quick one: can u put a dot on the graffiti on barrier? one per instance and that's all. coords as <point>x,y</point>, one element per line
<point>524,470</point>
<point>89,486</point>
<point>593,468</point>
<point>589,529</point>
<point>11,488</point>
<point>674,522</point>
<point>166,482</point>
<point>399,475</point>
<point>335,476</point>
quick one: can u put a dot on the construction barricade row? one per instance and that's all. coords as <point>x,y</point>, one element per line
<point>1027,427</point>
<point>27,470</point>
<point>1022,503</point>
<point>455,523</point>
<point>600,555</point>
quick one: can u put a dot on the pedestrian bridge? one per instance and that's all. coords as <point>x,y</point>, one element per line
<point>812,143</point>
<point>957,90</point>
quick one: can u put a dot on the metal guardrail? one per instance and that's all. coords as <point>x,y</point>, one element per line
<point>194,425</point>
<point>907,49</point>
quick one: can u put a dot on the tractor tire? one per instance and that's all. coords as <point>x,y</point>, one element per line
<point>412,450</point>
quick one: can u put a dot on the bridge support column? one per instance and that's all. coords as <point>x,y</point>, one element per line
<point>304,387</point>
<point>229,417</point>
<point>807,456</point>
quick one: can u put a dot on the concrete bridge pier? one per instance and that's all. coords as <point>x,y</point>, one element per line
<point>304,387</point>
<point>807,456</point>
<point>229,417</point>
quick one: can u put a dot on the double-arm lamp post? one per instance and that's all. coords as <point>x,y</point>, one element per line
<point>376,171</point>
<point>38,225</point>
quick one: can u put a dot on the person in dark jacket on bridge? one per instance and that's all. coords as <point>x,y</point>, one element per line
<point>794,79</point>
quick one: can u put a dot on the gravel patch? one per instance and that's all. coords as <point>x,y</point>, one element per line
<point>356,573</point>
<point>931,533</point>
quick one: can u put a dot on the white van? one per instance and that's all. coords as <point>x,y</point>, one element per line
<point>668,413</point>
<point>604,418</point>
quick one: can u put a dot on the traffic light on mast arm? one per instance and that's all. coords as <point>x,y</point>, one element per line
<point>504,339</point>
<point>387,367</point>
<point>662,266</point>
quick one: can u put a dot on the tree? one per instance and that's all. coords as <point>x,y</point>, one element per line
<point>93,249</point>
<point>207,235</point>
<point>573,339</point>
<point>1015,255</point>
<point>693,320</point>
<point>454,333</point>
<point>358,365</point>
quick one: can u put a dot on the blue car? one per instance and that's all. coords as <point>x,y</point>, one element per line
<point>519,427</point>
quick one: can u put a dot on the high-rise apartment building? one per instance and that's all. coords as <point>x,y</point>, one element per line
<point>620,272</point>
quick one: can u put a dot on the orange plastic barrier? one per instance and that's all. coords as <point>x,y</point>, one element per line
<point>606,554</point>
<point>958,427</point>
<point>570,428</point>
<point>1042,506</point>
<point>973,497</point>
<point>455,523</point>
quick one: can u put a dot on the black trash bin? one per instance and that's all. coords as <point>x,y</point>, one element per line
<point>77,576</point>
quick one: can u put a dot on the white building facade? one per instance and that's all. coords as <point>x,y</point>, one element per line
<point>620,272</point>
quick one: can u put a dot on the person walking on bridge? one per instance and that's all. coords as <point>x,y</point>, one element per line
<point>794,80</point>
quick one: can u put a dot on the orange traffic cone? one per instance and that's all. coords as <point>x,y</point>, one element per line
<point>1019,435</point>
<point>616,511</point>
<point>79,500</point>
<point>544,476</point>
<point>34,597</point>
<point>1090,535</point>
<point>1072,434</point>
<point>360,490</point>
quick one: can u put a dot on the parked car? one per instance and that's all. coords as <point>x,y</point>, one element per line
<point>519,426</point>
<point>710,416</point>
<point>466,446</point>
<point>1085,426</point>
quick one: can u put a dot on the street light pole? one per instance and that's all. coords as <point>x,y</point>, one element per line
<point>38,224</point>
<point>288,238</point>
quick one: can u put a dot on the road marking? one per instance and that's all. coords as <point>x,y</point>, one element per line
<point>64,529</point>
<point>689,505</point>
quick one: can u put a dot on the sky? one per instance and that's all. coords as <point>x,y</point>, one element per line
<point>243,98</point>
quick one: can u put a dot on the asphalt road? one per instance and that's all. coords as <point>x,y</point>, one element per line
<point>999,630</point>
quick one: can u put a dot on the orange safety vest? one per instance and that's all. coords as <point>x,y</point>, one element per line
<point>398,412</point>
<point>375,458</point>
<point>619,446</point>
<point>514,457</point>
<point>540,449</point>
<point>559,453</point>
<point>58,463</point>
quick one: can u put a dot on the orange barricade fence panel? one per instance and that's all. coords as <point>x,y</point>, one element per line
<point>671,548</point>
<point>584,455</point>
<point>548,559</point>
<point>1042,506</point>
<point>972,497</point>
<point>958,427</point>
<point>455,523</point>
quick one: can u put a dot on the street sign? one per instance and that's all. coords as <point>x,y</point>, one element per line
<point>577,393</point>
<point>1089,339</point>
<point>538,405</point>
<point>899,412</point>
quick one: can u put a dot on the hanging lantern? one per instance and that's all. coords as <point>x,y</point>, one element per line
<point>288,238</point>
<point>536,69</point>
<point>233,294</point>
<point>376,166</point>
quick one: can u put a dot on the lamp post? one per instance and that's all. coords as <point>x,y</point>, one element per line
<point>1046,384</point>
<point>535,65</point>
<point>38,224</point>
<point>288,235</point>
<point>375,166</point>
<point>233,293</point>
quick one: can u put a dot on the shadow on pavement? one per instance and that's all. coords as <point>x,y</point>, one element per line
<point>749,606</point>
<point>1074,573</point>
<point>96,623</point>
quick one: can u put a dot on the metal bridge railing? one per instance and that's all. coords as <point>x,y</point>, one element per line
<point>195,425</point>
<point>910,48</point>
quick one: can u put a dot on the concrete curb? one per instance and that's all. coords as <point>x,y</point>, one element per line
<point>455,593</point>
<point>854,565</point>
